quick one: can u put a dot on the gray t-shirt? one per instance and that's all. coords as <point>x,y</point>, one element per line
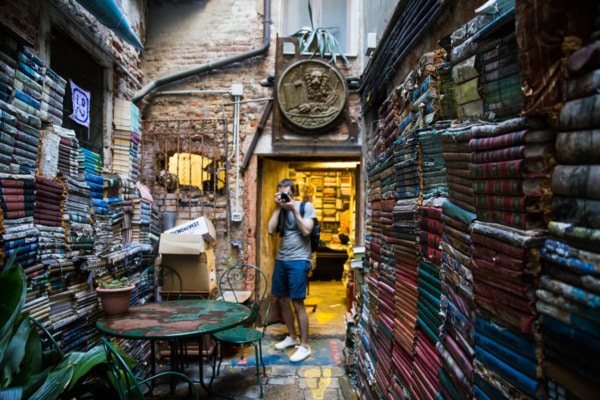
<point>293,245</point>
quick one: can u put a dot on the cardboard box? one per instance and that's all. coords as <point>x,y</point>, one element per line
<point>199,226</point>
<point>172,243</point>
<point>187,248</point>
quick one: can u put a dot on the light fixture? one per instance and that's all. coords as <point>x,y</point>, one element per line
<point>371,43</point>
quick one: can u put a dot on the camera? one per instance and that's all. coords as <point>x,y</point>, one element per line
<point>285,197</point>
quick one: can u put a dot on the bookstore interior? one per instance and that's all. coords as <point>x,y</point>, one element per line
<point>330,187</point>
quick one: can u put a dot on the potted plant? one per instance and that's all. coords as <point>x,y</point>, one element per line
<point>115,296</point>
<point>318,40</point>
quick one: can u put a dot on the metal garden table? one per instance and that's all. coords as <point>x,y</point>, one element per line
<point>174,321</point>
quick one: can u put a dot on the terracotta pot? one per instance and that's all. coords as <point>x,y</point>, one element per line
<point>115,302</point>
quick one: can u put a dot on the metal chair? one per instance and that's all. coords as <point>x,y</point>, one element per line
<point>49,344</point>
<point>245,283</point>
<point>162,282</point>
<point>127,384</point>
<point>164,277</point>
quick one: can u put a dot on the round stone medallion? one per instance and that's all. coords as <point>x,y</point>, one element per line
<point>311,94</point>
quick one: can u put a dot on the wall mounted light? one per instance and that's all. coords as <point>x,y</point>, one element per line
<point>371,43</point>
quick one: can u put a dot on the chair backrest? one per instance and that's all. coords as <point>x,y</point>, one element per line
<point>243,283</point>
<point>123,377</point>
<point>161,282</point>
<point>261,317</point>
<point>48,341</point>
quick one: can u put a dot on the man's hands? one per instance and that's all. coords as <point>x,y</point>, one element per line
<point>304,224</point>
<point>285,205</point>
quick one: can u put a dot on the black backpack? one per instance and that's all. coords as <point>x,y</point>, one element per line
<point>315,234</point>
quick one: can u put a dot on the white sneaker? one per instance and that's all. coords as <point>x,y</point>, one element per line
<point>285,343</point>
<point>300,354</point>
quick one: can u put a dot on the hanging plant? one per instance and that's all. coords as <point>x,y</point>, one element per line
<point>318,40</point>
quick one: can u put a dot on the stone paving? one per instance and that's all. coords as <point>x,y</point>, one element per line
<point>282,382</point>
<point>320,377</point>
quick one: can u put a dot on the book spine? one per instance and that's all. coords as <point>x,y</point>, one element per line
<point>509,203</point>
<point>572,258</point>
<point>500,246</point>
<point>496,142</point>
<point>509,169</point>
<point>577,181</point>
<point>510,153</point>
<point>455,223</point>
<point>581,113</point>
<point>432,226</point>
<point>569,331</point>
<point>576,211</point>
<point>582,86</point>
<point>579,147</point>
<point>522,364</point>
<point>503,186</point>
<point>429,240</point>
<point>514,219</point>
<point>507,294</point>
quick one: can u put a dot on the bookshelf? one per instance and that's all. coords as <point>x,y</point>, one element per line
<point>332,191</point>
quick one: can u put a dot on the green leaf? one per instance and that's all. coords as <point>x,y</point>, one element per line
<point>15,351</point>
<point>35,352</point>
<point>130,361</point>
<point>15,393</point>
<point>93,357</point>
<point>54,385</point>
<point>12,298</point>
<point>71,358</point>
<point>32,359</point>
<point>34,382</point>
<point>318,41</point>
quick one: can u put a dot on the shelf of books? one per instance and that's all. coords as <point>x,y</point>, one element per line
<point>331,191</point>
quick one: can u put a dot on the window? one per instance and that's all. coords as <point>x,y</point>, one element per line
<point>197,171</point>
<point>71,61</point>
<point>185,165</point>
<point>336,15</point>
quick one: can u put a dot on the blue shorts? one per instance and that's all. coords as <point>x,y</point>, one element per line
<point>289,278</point>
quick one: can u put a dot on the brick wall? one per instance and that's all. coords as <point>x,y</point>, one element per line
<point>186,35</point>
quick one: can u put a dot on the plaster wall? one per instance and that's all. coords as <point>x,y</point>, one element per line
<point>376,15</point>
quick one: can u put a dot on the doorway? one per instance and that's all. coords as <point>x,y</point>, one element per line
<point>333,187</point>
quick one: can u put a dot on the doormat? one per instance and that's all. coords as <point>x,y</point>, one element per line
<point>325,352</point>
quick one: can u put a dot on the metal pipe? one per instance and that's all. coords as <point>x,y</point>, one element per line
<point>263,48</point>
<point>248,101</point>
<point>190,92</point>
<point>110,15</point>
<point>236,135</point>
